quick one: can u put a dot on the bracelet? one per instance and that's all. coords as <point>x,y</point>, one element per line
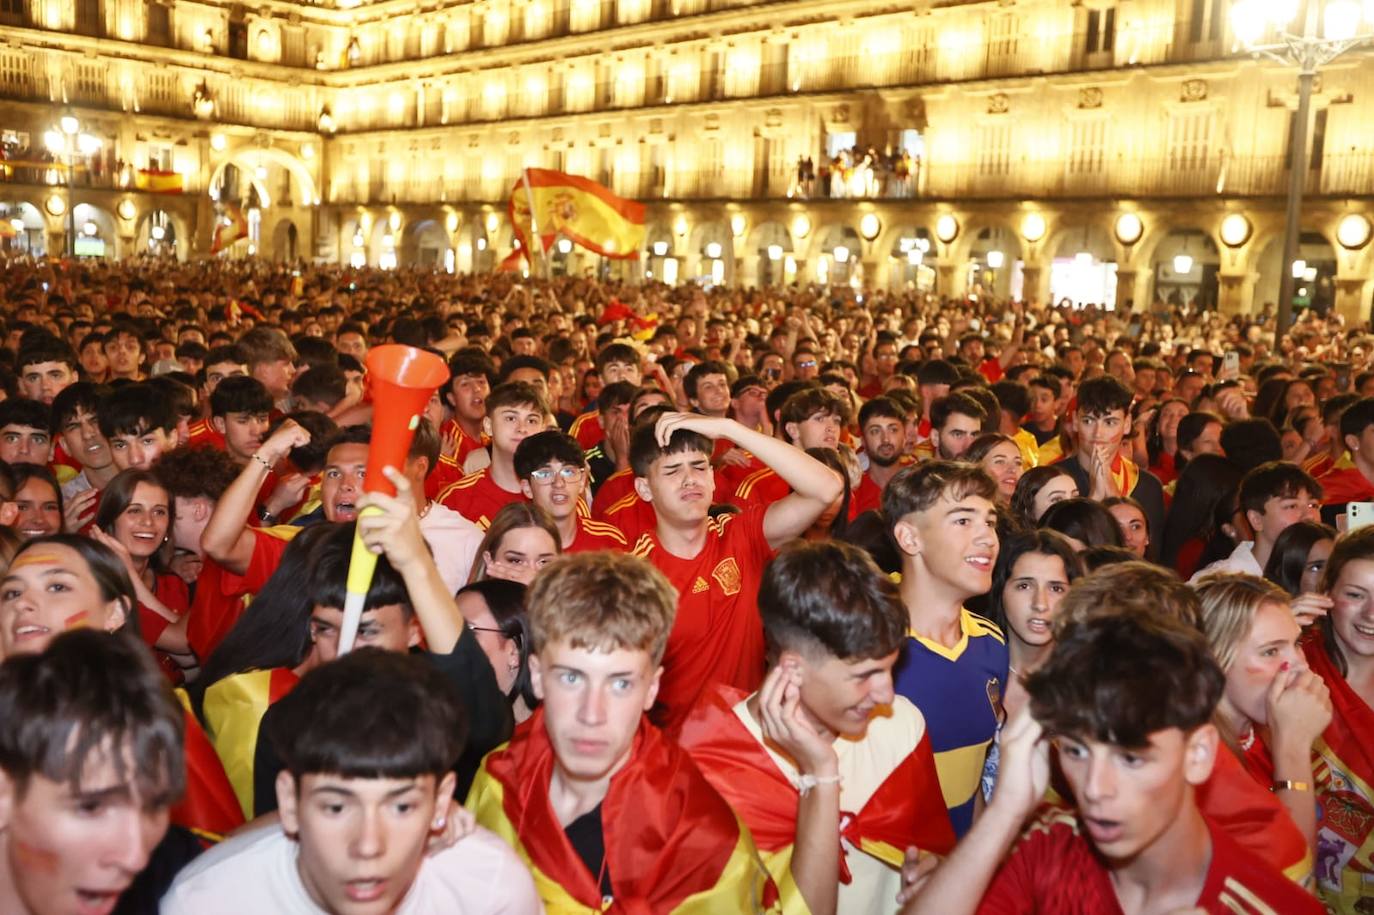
<point>806,782</point>
<point>1289,785</point>
<point>259,459</point>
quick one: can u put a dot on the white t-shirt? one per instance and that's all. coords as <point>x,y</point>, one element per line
<point>256,873</point>
<point>1242,559</point>
<point>454,541</point>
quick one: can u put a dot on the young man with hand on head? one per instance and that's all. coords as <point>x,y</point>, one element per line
<point>553,475</point>
<point>810,418</point>
<point>944,523</point>
<point>515,410</point>
<point>716,563</point>
<point>1127,701</point>
<point>369,742</point>
<point>603,809</point>
<point>826,734</point>
<point>1101,466</point>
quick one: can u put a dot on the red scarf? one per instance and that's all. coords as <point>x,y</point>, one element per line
<point>908,809</point>
<point>668,835</point>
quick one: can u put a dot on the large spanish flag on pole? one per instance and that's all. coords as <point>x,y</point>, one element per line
<point>578,209</point>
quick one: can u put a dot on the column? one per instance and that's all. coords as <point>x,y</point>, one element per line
<point>1352,299</point>
<point>1236,292</point>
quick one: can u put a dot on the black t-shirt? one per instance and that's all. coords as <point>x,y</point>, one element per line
<point>589,841</point>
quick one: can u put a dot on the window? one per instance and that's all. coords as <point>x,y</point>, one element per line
<point>12,12</point>
<point>994,149</point>
<point>159,24</point>
<point>1101,31</point>
<point>1205,22</point>
<point>1087,146</point>
<point>1190,140</point>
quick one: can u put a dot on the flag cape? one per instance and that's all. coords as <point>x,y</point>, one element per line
<point>209,808</point>
<point>158,181</point>
<point>1345,484</point>
<point>672,843</point>
<point>578,209</point>
<point>907,809</point>
<point>233,710</point>
<point>229,229</point>
<point>1344,775</point>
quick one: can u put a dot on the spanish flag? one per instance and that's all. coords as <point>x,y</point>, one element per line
<point>158,181</point>
<point>672,843</point>
<point>907,807</point>
<point>578,209</point>
<point>209,807</point>
<point>233,709</point>
<point>229,228</point>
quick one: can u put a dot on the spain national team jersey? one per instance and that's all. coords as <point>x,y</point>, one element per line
<point>1054,868</point>
<point>632,516</point>
<point>866,497</point>
<point>614,488</point>
<point>762,487</point>
<point>478,498</point>
<point>205,435</point>
<point>959,691</point>
<point>586,428</point>
<point>717,636</point>
<point>596,535</point>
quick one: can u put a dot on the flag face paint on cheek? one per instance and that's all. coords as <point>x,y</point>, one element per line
<point>33,858</point>
<point>79,620</point>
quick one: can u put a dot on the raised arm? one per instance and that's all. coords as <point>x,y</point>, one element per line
<point>815,487</point>
<point>227,539</point>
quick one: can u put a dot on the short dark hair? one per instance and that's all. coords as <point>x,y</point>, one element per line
<point>240,394</point>
<point>1103,394</point>
<point>937,371</point>
<point>616,394</point>
<point>83,395</point>
<point>700,371</point>
<point>830,596</point>
<point>1085,520</point>
<point>645,449</point>
<point>324,384</point>
<point>370,714</point>
<point>20,411</point>
<point>535,451</point>
<point>919,487</point>
<point>180,395</point>
<point>87,692</point>
<point>1357,417</point>
<point>470,361</point>
<point>957,403</point>
<point>884,407</point>
<point>46,348</point>
<point>1193,425</point>
<point>1012,396</point>
<point>135,409</point>
<point>1275,480</point>
<point>616,352</point>
<point>514,363</point>
<point>1119,678</point>
<point>1251,442</point>
<point>266,344</point>
<point>810,401</point>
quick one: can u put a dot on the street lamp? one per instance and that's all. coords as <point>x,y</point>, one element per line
<point>1310,35</point>
<point>65,142</point>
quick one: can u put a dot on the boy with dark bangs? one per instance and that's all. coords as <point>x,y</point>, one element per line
<point>1127,700</point>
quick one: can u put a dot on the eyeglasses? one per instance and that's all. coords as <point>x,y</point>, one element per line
<point>514,637</point>
<point>807,364</point>
<point>567,473</point>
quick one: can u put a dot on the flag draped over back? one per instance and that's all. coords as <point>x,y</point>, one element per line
<point>578,209</point>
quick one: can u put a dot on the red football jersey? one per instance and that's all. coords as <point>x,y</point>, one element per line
<point>1054,868</point>
<point>717,636</point>
<point>478,498</point>
<point>596,535</point>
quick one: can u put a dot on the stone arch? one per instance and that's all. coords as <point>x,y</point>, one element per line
<point>25,220</point>
<point>836,253</point>
<point>1082,260</point>
<point>176,235</point>
<point>424,242</point>
<point>1317,250</point>
<point>248,159</point>
<point>705,233</point>
<point>1200,283</point>
<point>903,268</point>
<point>767,250</point>
<point>286,241</point>
<point>106,237</point>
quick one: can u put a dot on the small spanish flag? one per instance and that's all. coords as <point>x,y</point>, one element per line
<point>229,228</point>
<point>158,181</point>
<point>577,208</point>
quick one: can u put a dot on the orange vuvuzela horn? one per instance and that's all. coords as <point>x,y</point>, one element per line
<point>402,379</point>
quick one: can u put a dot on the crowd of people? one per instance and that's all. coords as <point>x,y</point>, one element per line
<point>687,600</point>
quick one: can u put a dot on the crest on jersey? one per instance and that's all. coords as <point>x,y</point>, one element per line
<point>728,577</point>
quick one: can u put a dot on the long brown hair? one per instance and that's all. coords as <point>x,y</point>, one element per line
<point>1349,548</point>
<point>512,517</point>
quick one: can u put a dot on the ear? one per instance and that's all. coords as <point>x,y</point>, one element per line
<point>525,488</point>
<point>907,537</point>
<point>218,423</point>
<point>1255,518</point>
<point>443,793</point>
<point>537,677</point>
<point>792,431</point>
<point>935,441</point>
<point>1352,443</point>
<point>486,426</point>
<point>286,803</point>
<point>652,694</point>
<point>642,488</point>
<point>115,616</point>
<point>6,800</point>
<point>413,632</point>
<point>1200,754</point>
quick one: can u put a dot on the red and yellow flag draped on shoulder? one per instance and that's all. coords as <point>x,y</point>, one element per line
<point>907,809</point>
<point>233,709</point>
<point>1344,775</point>
<point>673,845</point>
